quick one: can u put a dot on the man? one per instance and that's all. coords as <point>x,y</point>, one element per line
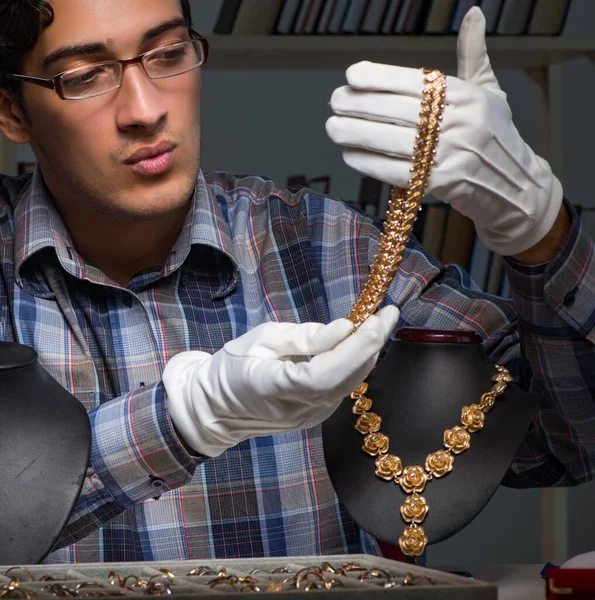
<point>169,303</point>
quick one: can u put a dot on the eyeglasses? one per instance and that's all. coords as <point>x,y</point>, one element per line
<point>106,76</point>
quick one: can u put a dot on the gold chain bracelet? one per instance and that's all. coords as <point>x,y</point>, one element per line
<point>404,205</point>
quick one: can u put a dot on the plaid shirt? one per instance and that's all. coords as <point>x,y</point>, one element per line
<point>250,252</point>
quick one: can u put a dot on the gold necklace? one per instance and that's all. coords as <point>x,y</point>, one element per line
<point>413,479</point>
<point>403,208</point>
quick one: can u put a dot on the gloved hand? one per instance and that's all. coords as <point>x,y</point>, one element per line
<point>483,167</point>
<point>251,387</point>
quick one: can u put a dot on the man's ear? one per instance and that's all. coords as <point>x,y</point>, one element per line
<point>13,122</point>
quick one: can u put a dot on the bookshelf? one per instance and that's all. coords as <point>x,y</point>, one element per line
<point>542,59</point>
<point>324,52</point>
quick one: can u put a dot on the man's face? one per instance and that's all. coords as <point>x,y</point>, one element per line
<point>83,146</point>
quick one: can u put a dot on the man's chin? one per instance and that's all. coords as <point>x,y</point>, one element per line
<point>150,207</point>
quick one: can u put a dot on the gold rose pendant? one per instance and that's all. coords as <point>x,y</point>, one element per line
<point>413,542</point>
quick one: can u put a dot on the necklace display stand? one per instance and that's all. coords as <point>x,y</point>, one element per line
<point>45,442</point>
<point>419,389</point>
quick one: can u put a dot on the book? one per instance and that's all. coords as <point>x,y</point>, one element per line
<point>496,272</point>
<point>514,18</point>
<point>227,16</point>
<point>390,17</point>
<point>479,264</point>
<point>406,7</point>
<point>205,15</point>
<point>419,223</point>
<point>434,227</point>
<point>287,16</point>
<point>458,239</point>
<point>372,19</point>
<point>313,18</point>
<point>462,8</point>
<point>337,16</point>
<point>417,16</point>
<point>257,17</point>
<point>369,195</point>
<point>587,217</point>
<point>505,287</point>
<point>491,10</point>
<point>548,17</point>
<point>304,15</point>
<point>353,16</point>
<point>439,16</point>
<point>325,16</point>
<point>384,198</point>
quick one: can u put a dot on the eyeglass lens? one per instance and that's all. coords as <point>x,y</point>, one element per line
<point>101,78</point>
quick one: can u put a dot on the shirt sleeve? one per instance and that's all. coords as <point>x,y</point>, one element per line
<point>555,303</point>
<point>545,335</point>
<point>135,455</point>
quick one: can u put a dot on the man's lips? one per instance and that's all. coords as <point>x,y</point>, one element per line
<point>149,152</point>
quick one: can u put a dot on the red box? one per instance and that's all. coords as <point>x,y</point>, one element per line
<point>570,584</point>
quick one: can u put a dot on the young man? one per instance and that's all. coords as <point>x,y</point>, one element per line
<point>167,301</point>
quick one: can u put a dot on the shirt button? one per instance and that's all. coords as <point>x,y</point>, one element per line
<point>570,298</point>
<point>156,482</point>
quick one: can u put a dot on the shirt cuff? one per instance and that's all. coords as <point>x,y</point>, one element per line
<point>136,452</point>
<point>558,298</point>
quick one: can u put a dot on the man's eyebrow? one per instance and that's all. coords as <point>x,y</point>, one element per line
<point>99,47</point>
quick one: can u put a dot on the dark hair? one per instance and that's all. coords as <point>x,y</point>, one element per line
<point>21,24</point>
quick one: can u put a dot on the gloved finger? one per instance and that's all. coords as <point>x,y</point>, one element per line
<point>376,106</point>
<point>385,138</point>
<point>366,75</point>
<point>473,63</point>
<point>396,171</point>
<point>344,365</point>
<point>272,341</point>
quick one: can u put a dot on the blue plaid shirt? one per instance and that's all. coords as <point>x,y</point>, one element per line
<point>250,252</point>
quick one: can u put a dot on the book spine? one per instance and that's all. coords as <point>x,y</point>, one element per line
<point>354,15</point>
<point>372,20</point>
<point>325,16</point>
<point>338,16</point>
<point>390,18</point>
<point>227,17</point>
<point>287,16</point>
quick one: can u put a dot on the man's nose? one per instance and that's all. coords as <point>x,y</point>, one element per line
<point>141,102</point>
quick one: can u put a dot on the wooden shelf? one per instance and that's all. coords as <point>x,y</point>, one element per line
<point>314,52</point>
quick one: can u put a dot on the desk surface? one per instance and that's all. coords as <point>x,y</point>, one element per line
<point>514,581</point>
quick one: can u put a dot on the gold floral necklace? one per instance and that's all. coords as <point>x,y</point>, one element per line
<point>413,479</point>
<point>403,207</point>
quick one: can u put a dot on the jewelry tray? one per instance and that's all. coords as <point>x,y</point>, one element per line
<point>446,586</point>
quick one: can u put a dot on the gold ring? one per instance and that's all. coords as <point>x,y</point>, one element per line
<point>20,569</point>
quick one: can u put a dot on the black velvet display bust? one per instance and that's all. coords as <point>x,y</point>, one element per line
<point>45,442</point>
<point>419,389</point>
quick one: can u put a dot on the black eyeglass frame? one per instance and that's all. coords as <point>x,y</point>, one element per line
<point>55,83</point>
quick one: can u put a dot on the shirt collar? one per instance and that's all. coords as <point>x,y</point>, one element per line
<point>206,225</point>
<point>38,226</point>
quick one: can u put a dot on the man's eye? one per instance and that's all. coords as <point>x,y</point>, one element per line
<point>86,77</point>
<point>171,55</point>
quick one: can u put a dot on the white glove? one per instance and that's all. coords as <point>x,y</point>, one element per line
<point>251,387</point>
<point>483,167</point>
